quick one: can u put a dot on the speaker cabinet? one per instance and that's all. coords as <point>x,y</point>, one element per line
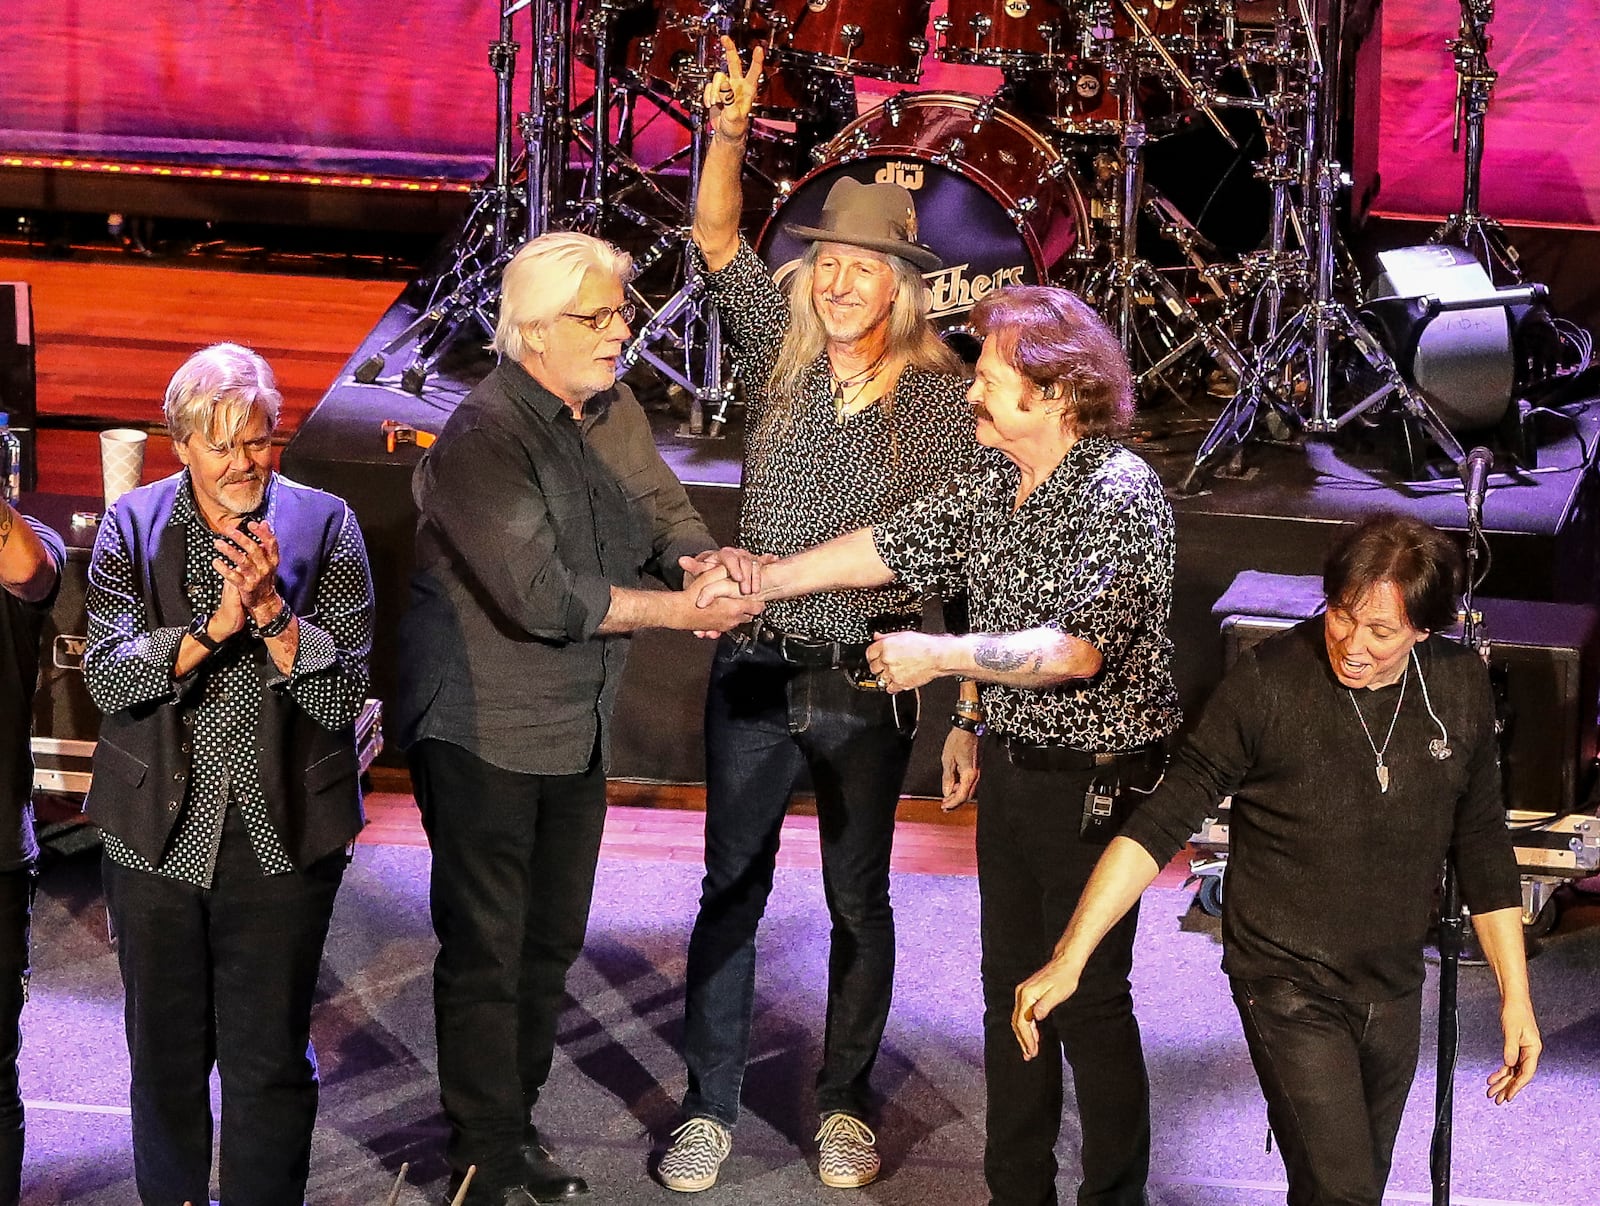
<point>18,375</point>
<point>66,723</point>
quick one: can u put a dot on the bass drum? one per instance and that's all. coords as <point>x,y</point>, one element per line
<point>994,198</point>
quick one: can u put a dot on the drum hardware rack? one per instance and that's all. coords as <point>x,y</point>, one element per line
<point>1269,319</point>
<point>1475,81</point>
<point>1307,338</point>
<point>1130,282</point>
<point>468,291</point>
<point>688,321</point>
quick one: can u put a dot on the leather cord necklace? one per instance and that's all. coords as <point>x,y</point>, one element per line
<point>1378,751</point>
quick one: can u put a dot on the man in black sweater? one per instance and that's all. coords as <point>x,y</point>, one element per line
<point>1359,750</point>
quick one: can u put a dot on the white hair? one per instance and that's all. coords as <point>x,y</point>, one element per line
<point>542,279</point>
<point>216,390</point>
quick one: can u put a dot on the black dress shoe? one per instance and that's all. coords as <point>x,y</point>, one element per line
<point>515,1195</point>
<point>546,1180</point>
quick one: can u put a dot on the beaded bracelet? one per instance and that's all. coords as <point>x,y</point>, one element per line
<point>276,626</point>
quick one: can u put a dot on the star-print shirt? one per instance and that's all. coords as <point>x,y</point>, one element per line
<point>328,681</point>
<point>1090,552</point>
<point>809,477</point>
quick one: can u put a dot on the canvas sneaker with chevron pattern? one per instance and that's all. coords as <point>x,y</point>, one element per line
<point>847,1152</point>
<point>698,1149</point>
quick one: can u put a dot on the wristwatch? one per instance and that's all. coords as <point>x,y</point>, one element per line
<point>197,629</point>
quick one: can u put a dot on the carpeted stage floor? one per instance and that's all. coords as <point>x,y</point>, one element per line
<point>617,1079</point>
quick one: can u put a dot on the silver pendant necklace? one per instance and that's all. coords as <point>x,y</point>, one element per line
<point>1378,751</point>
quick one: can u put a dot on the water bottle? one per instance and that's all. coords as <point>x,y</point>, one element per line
<point>10,460</point>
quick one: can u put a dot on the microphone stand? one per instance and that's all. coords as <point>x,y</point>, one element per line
<point>1451,926</point>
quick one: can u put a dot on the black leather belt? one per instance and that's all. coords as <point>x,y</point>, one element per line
<point>1032,756</point>
<point>807,651</point>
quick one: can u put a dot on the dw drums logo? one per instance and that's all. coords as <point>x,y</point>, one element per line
<point>907,175</point>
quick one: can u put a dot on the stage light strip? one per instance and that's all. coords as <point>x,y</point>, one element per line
<point>72,1107</point>
<point>397,184</point>
<point>1389,1195</point>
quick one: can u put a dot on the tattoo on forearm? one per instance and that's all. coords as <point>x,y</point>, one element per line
<point>994,654</point>
<point>5,526</point>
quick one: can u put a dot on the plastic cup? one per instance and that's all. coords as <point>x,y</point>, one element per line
<point>121,461</point>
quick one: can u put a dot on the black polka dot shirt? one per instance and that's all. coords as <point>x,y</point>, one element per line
<point>809,477</point>
<point>325,681</point>
<point>1090,553</point>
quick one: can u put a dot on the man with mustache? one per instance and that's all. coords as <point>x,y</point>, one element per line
<point>1063,542</point>
<point>230,619</point>
<point>853,407</point>
<point>542,506</point>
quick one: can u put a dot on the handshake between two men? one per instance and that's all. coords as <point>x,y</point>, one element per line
<point>729,586</point>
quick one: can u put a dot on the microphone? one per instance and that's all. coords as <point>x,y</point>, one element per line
<point>1474,470</point>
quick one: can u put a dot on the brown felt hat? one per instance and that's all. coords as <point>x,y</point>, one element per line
<point>879,217</point>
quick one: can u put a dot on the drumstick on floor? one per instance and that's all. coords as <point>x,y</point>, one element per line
<point>394,1194</point>
<point>466,1183</point>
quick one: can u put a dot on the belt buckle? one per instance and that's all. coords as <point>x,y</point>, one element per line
<point>744,642</point>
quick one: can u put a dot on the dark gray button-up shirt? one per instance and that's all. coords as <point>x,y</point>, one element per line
<point>527,519</point>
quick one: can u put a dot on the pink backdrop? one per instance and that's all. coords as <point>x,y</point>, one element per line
<point>405,89</point>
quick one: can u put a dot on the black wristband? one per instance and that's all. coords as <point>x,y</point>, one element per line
<point>278,624</point>
<point>197,629</point>
<point>972,724</point>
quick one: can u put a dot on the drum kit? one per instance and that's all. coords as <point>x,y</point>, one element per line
<point>1040,179</point>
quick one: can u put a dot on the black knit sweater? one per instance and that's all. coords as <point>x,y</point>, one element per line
<point>1330,881</point>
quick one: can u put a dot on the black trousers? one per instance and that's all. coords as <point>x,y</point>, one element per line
<point>16,910</point>
<point>1335,1075</point>
<point>222,976</point>
<point>1032,867</point>
<point>513,874</point>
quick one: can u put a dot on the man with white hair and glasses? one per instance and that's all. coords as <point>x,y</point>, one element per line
<point>230,619</point>
<point>542,506</point>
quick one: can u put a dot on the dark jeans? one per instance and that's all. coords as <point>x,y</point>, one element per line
<point>16,905</point>
<point>1032,867</point>
<point>1335,1075</point>
<point>513,873</point>
<point>222,976</point>
<point>765,720</point>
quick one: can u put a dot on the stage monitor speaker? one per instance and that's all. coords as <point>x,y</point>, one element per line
<point>1463,363</point>
<point>1544,662</point>
<point>18,373</point>
<point>62,709</point>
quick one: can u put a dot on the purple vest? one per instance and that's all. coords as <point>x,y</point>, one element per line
<point>309,774</point>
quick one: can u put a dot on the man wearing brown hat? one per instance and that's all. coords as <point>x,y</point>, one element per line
<point>854,407</point>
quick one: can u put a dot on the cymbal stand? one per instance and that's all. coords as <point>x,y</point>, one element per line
<point>607,157</point>
<point>1309,335</point>
<point>1277,269</point>
<point>1475,81</point>
<point>688,321</point>
<point>1128,282</point>
<point>468,290</point>
<point>545,127</point>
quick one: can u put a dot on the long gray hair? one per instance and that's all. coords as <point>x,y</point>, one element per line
<point>911,336</point>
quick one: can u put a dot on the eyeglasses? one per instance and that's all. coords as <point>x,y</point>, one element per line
<point>601,318</point>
